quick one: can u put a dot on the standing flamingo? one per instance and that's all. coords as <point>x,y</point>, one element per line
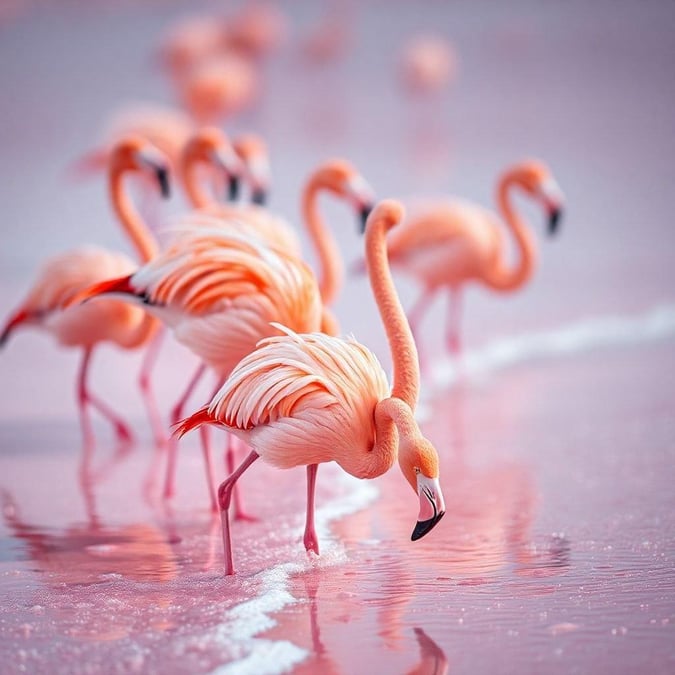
<point>452,243</point>
<point>219,290</point>
<point>64,275</point>
<point>305,399</point>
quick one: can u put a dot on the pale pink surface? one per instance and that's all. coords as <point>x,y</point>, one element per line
<point>580,445</point>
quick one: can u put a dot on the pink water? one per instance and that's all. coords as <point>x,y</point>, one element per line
<point>556,438</point>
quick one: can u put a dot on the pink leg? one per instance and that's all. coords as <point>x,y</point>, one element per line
<point>453,321</point>
<point>310,539</point>
<point>83,402</point>
<point>224,498</point>
<point>176,415</point>
<point>145,383</point>
<point>84,397</point>
<point>415,316</point>
<point>239,512</point>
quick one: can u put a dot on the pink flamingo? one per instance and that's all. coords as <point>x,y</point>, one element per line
<point>218,291</point>
<point>449,244</point>
<point>428,64</point>
<point>64,275</point>
<point>305,399</point>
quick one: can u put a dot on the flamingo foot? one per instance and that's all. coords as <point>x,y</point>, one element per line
<point>311,541</point>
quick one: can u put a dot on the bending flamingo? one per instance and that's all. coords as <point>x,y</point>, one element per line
<point>305,399</point>
<point>219,290</point>
<point>453,243</point>
<point>64,275</point>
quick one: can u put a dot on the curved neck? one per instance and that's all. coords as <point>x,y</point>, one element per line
<point>393,420</point>
<point>330,260</point>
<point>401,343</point>
<point>503,276</point>
<point>138,232</point>
<point>197,194</point>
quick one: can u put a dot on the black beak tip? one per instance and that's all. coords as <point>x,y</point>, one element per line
<point>259,197</point>
<point>3,338</point>
<point>425,526</point>
<point>232,188</point>
<point>163,180</point>
<point>364,213</point>
<point>554,221</point>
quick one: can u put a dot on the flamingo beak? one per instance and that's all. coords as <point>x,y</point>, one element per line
<point>364,213</point>
<point>432,506</point>
<point>15,320</point>
<point>552,197</point>
<point>362,197</point>
<point>154,162</point>
<point>259,196</point>
<point>231,166</point>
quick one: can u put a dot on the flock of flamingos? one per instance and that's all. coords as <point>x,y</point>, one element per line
<point>231,284</point>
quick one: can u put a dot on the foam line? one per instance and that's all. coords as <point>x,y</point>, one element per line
<point>253,617</point>
<point>656,324</point>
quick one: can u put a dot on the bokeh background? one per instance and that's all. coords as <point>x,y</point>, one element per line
<point>588,88</point>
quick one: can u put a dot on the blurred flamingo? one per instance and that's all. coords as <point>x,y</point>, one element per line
<point>64,275</point>
<point>306,399</point>
<point>428,64</point>
<point>452,243</point>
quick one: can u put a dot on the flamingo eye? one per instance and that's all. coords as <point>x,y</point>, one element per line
<point>417,470</point>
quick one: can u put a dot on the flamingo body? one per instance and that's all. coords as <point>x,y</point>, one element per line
<point>64,275</point>
<point>219,290</point>
<point>303,399</point>
<point>447,244</point>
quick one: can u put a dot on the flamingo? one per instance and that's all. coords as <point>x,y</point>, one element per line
<point>63,275</point>
<point>452,243</point>
<point>428,64</point>
<point>219,290</point>
<point>299,400</point>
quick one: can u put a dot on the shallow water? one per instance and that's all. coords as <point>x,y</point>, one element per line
<point>556,430</point>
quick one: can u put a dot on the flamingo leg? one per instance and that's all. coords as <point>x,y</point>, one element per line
<point>415,316</point>
<point>176,414</point>
<point>123,432</point>
<point>310,539</point>
<point>230,456</point>
<point>454,321</point>
<point>145,384</point>
<point>224,499</point>
<point>83,402</point>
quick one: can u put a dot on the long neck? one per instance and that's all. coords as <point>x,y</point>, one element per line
<point>330,260</point>
<point>137,231</point>
<point>197,194</point>
<point>401,343</point>
<point>503,276</point>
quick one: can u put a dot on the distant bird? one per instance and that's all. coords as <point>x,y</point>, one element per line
<point>305,399</point>
<point>446,245</point>
<point>66,274</point>
<point>428,64</point>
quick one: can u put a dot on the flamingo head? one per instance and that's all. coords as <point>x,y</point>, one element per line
<point>211,146</point>
<point>252,151</point>
<point>538,182</point>
<point>418,460</point>
<point>21,317</point>
<point>134,153</point>
<point>341,179</point>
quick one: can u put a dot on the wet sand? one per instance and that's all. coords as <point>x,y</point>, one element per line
<point>556,434</point>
